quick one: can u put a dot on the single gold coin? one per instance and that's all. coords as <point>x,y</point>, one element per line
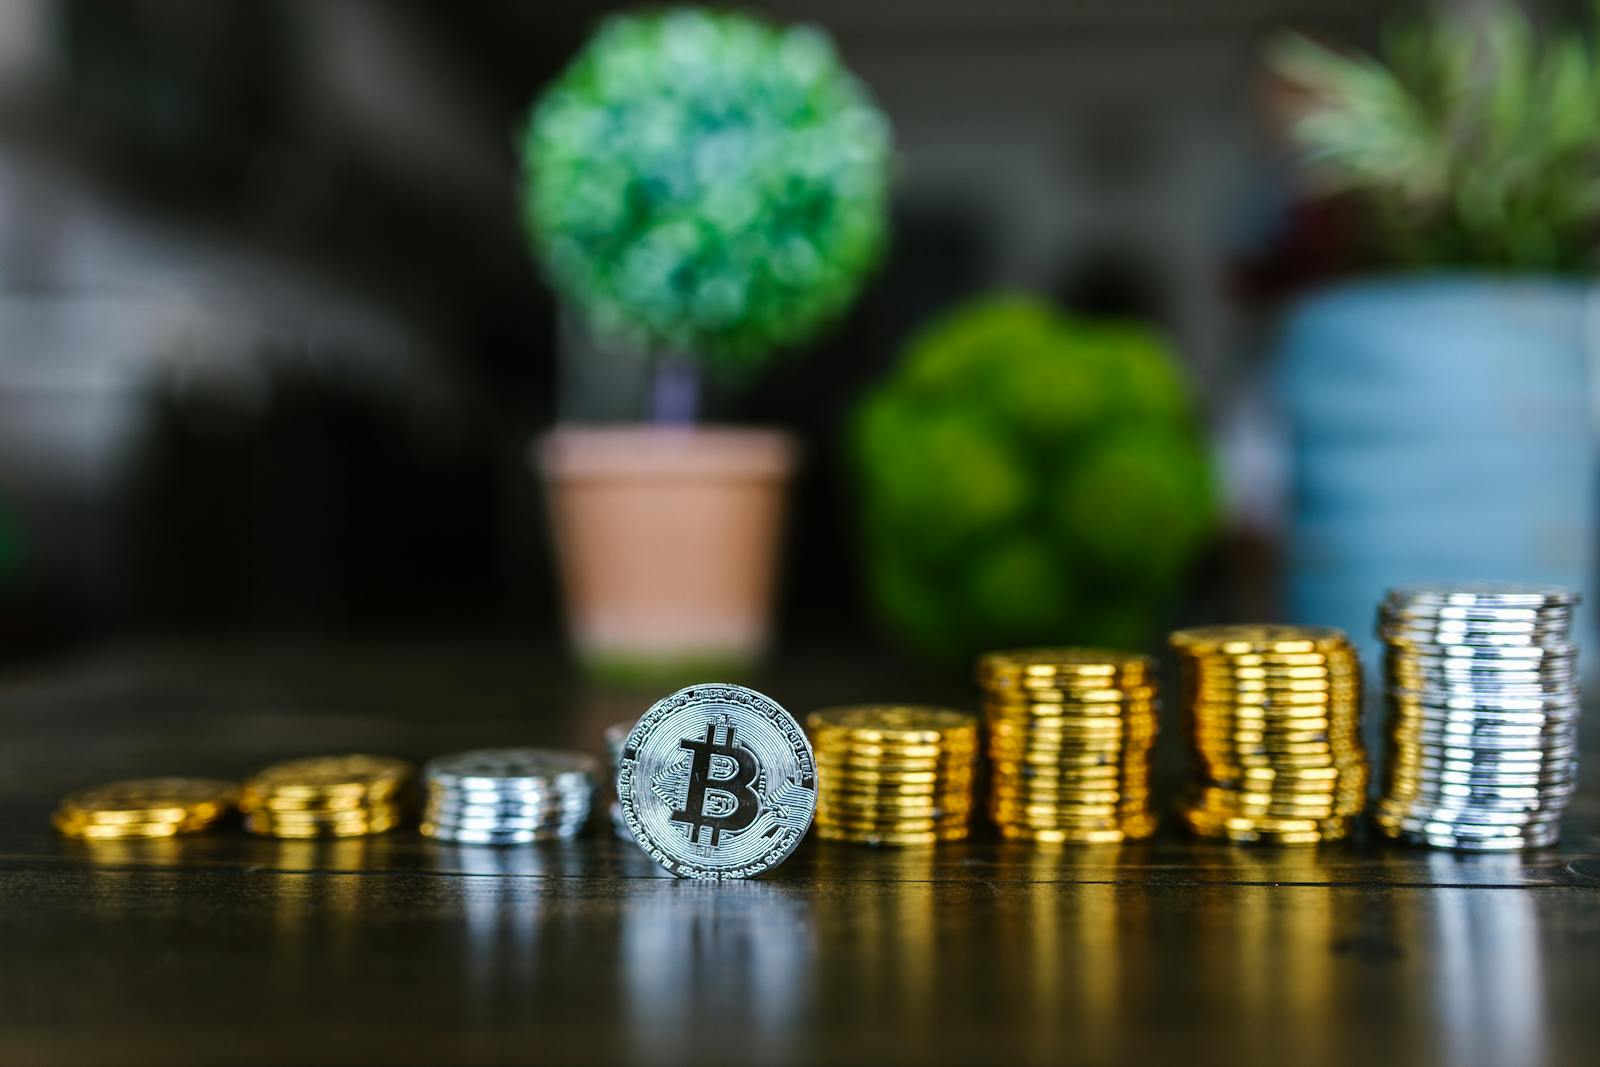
<point>1077,702</point>
<point>1048,663</point>
<point>1067,734</point>
<point>895,825</point>
<point>961,785</point>
<point>1337,666</point>
<point>1132,830</point>
<point>922,807</point>
<point>145,807</point>
<point>1244,829</point>
<point>1002,763</point>
<point>894,723</point>
<point>320,776</point>
<point>908,839</point>
<point>1255,638</point>
<point>91,831</point>
<point>272,826</point>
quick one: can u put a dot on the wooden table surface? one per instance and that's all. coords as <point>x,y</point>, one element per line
<point>227,949</point>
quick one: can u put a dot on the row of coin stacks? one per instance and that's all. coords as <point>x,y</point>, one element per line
<point>1480,682</point>
<point>489,796</point>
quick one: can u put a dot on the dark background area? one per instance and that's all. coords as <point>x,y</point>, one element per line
<point>272,346</point>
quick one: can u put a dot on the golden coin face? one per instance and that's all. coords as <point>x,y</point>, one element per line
<point>1086,701</point>
<point>1027,711</point>
<point>1050,662</point>
<point>1258,638</point>
<point>894,723</point>
<point>324,774</point>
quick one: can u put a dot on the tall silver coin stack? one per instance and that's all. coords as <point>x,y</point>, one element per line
<point>508,796</point>
<point>616,738</point>
<point>1482,690</point>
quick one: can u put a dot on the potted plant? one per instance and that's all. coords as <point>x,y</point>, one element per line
<point>1441,407</point>
<point>1025,477</point>
<point>703,190</point>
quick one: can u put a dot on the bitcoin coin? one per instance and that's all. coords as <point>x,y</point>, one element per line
<point>616,738</point>
<point>717,781</point>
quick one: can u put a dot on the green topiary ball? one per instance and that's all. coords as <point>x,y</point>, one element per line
<point>1028,478</point>
<point>706,184</point>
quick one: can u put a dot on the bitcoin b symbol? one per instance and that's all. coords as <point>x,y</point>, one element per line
<point>728,770</point>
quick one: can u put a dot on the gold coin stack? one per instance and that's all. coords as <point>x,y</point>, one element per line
<point>1069,733</point>
<point>327,796</point>
<point>894,775</point>
<point>1272,718</point>
<point>145,807</point>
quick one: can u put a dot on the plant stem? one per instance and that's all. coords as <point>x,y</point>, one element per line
<point>675,391</point>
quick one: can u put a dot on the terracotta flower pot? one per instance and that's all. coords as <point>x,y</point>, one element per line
<point>667,540</point>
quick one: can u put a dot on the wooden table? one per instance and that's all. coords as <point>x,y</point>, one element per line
<point>227,949</point>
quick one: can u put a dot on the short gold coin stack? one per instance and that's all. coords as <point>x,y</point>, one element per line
<point>145,807</point>
<point>1272,719</point>
<point>327,796</point>
<point>1069,733</point>
<point>894,775</point>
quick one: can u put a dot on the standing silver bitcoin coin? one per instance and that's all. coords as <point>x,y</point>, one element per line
<point>717,781</point>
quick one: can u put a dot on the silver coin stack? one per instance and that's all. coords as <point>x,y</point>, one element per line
<point>1482,689</point>
<point>508,796</point>
<point>616,739</point>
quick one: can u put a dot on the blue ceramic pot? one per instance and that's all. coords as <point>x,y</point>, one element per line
<point>1442,428</point>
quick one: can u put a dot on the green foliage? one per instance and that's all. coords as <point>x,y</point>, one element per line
<point>706,184</point>
<point>1029,478</point>
<point>1474,138</point>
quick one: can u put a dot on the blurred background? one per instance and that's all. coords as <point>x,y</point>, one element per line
<point>274,340</point>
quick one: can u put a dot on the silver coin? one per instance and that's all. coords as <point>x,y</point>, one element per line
<point>1476,731</point>
<point>1473,594</point>
<point>1431,641</point>
<point>1481,764</point>
<point>494,768</point>
<point>717,781</point>
<point>1423,819</point>
<point>512,825</point>
<point>492,837</point>
<point>529,798</point>
<point>1438,836</point>
<point>446,809</point>
<point>619,825</point>
<point>616,737</point>
<point>1482,695</point>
